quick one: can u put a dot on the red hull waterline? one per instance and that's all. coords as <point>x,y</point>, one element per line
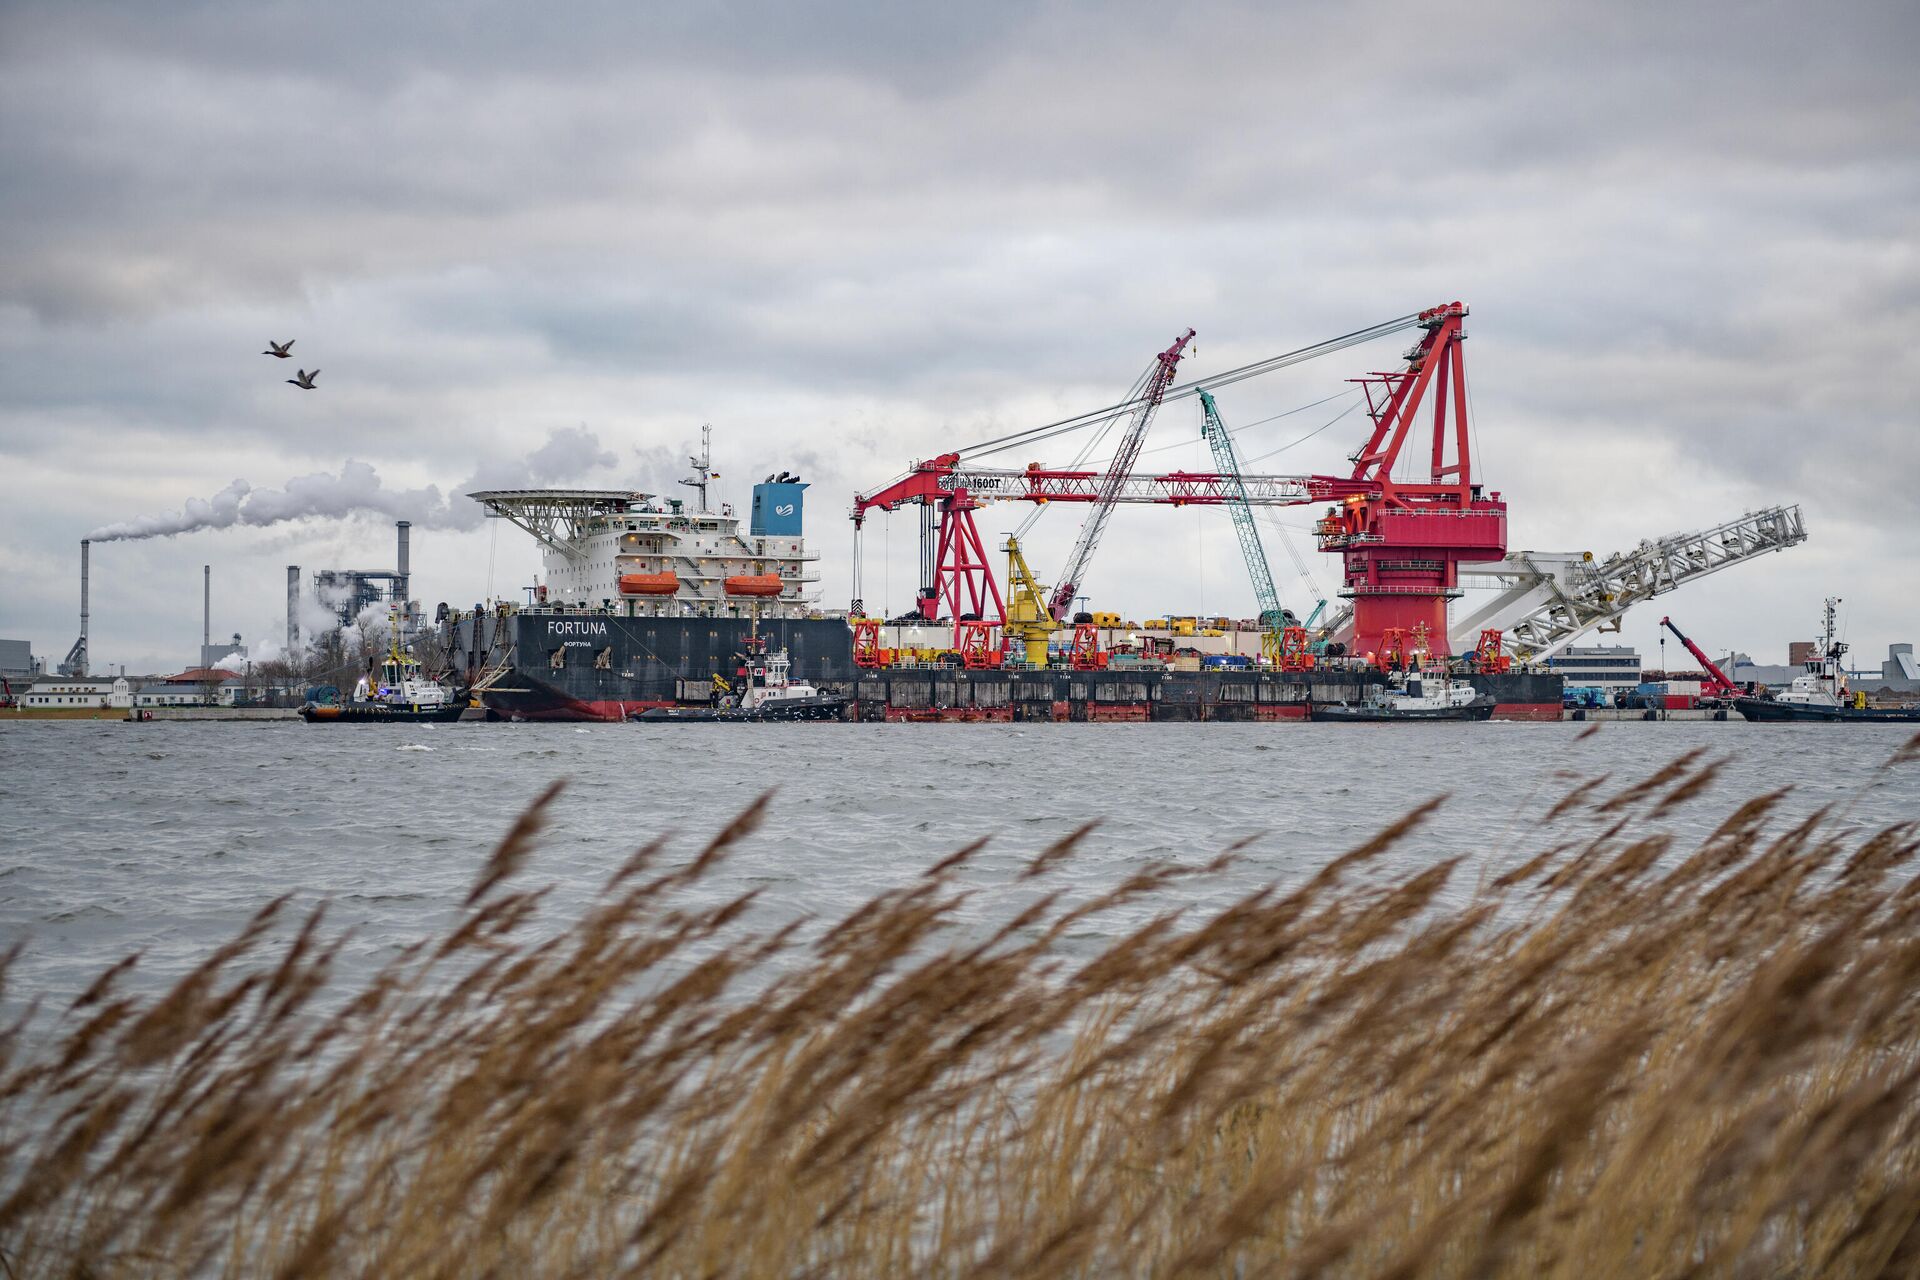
<point>1529,711</point>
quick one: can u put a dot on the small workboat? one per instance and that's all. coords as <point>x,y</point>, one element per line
<point>769,694</point>
<point>1820,694</point>
<point>1409,695</point>
<point>402,693</point>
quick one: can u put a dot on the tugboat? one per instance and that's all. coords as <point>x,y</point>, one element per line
<point>1821,695</point>
<point>403,695</point>
<point>1409,695</point>
<point>769,695</point>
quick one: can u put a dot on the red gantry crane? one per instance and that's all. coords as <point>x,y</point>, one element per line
<point>1401,541</point>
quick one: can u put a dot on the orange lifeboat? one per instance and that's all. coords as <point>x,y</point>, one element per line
<point>649,584</point>
<point>764,584</point>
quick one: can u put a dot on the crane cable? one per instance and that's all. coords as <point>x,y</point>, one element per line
<point>1310,435</point>
<point>1086,450</point>
<point>1034,435</point>
<point>1289,444</point>
<point>1046,431</point>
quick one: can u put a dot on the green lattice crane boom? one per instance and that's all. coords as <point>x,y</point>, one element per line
<point>1274,618</point>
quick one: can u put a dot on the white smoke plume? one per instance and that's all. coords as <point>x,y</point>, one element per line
<point>319,611</point>
<point>262,651</point>
<point>357,490</point>
<point>369,629</point>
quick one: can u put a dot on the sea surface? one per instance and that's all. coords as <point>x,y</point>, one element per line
<point>163,838</point>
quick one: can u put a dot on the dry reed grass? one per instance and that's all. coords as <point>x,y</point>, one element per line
<point>1619,1058</point>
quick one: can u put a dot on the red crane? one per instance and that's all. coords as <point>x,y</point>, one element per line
<point>1717,684</point>
<point>1159,378</point>
<point>1402,542</point>
<point>960,581</point>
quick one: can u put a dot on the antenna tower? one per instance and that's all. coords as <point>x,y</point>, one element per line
<point>703,466</point>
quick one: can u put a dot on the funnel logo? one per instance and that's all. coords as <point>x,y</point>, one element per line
<point>785,509</point>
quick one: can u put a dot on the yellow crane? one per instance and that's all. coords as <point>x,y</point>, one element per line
<point>1029,620</point>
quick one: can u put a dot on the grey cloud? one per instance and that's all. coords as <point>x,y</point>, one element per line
<point>570,451</point>
<point>859,233</point>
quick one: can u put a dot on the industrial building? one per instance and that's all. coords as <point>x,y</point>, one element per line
<point>17,662</point>
<point>71,693</point>
<point>204,686</point>
<point>213,655</point>
<point>347,593</point>
<point>1743,670</point>
<point>1597,666</point>
<point>1898,674</point>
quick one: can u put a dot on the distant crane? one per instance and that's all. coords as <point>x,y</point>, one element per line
<point>1717,684</point>
<point>1159,378</point>
<point>1274,618</point>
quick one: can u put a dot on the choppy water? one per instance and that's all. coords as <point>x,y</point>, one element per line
<point>165,837</point>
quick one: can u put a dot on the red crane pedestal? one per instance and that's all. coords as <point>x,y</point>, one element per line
<point>1402,543</point>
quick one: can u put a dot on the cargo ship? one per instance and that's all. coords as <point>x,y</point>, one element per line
<point>643,601</point>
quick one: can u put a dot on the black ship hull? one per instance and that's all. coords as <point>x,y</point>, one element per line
<point>1773,711</point>
<point>583,667</point>
<point>1341,714</point>
<point>541,666</point>
<point>827,707</point>
<point>377,713</point>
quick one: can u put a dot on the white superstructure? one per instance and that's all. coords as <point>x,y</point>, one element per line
<point>1824,683</point>
<point>636,555</point>
<point>1410,691</point>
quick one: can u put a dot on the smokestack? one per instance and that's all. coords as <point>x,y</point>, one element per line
<point>293,611</point>
<point>206,614</point>
<point>85,549</point>
<point>403,584</point>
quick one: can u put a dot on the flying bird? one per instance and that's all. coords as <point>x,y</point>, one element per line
<point>305,380</point>
<point>281,349</point>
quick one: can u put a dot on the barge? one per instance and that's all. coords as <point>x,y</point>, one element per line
<point>531,665</point>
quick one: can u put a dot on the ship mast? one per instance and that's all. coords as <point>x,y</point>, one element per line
<point>1832,649</point>
<point>703,466</point>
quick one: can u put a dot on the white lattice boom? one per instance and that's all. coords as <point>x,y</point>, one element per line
<point>1547,600</point>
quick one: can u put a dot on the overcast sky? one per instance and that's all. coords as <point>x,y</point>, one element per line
<point>546,243</point>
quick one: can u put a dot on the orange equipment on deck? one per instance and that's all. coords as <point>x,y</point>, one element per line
<point>979,647</point>
<point>649,584</point>
<point>866,643</point>
<point>1086,653</point>
<point>1296,653</point>
<point>1487,655</point>
<point>748,584</point>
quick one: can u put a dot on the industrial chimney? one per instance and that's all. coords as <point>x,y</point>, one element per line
<point>206,615</point>
<point>76,663</point>
<point>402,583</point>
<point>293,612</point>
